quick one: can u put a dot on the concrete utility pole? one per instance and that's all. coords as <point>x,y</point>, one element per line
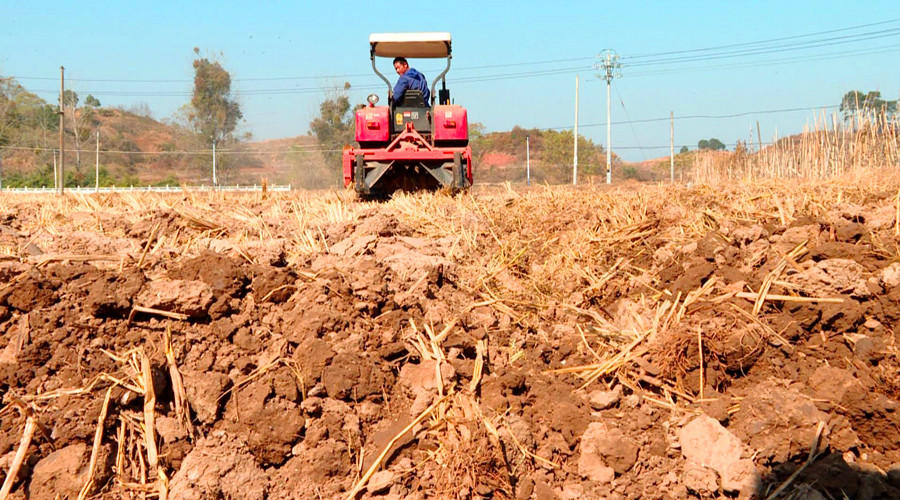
<point>97,165</point>
<point>611,68</point>
<point>575,161</point>
<point>215,180</point>
<point>758,138</point>
<point>672,147</point>
<point>527,161</point>
<point>62,126</point>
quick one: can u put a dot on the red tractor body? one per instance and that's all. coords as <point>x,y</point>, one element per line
<point>412,144</point>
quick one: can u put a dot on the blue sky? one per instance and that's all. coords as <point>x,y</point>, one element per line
<point>516,62</point>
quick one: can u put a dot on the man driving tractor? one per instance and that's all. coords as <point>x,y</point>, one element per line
<point>409,79</point>
<point>413,142</point>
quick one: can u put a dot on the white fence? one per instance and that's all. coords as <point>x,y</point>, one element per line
<point>148,189</point>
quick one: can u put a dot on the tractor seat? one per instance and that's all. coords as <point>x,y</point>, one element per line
<point>413,99</point>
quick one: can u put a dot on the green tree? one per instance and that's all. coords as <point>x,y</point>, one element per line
<point>334,127</point>
<point>558,151</point>
<point>214,113</point>
<point>70,98</point>
<point>712,144</point>
<point>476,131</point>
<point>91,101</point>
<point>9,117</point>
<point>868,104</point>
<point>70,108</point>
<point>684,149</point>
<point>631,172</point>
<point>557,154</point>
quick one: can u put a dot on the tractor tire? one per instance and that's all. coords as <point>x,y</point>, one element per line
<point>359,175</point>
<point>459,172</point>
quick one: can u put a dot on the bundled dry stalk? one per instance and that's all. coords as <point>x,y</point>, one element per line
<point>831,148</point>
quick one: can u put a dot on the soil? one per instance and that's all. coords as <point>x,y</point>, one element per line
<point>552,343</point>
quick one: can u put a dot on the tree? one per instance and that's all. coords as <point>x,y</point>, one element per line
<point>334,127</point>
<point>8,117</point>
<point>868,104</point>
<point>214,112</point>
<point>712,144</point>
<point>684,149</point>
<point>557,154</point>
<point>70,98</point>
<point>476,131</point>
<point>91,101</point>
<point>70,108</point>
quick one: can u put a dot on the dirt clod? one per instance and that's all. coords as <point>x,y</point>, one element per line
<point>548,343</point>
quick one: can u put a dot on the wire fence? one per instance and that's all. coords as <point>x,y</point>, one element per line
<point>150,189</point>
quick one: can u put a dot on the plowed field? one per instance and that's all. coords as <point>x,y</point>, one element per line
<point>650,342</point>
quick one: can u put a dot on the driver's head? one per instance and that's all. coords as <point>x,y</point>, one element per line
<point>400,65</point>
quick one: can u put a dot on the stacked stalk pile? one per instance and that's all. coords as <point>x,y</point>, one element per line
<point>827,149</point>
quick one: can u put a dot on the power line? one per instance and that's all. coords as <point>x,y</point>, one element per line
<point>309,90</point>
<point>770,50</point>
<point>769,62</point>
<point>633,131</point>
<point>751,48</point>
<point>696,117</point>
<point>514,75</point>
<point>667,146</point>
<point>759,42</point>
<point>294,149</point>
<point>476,79</point>
<point>304,77</point>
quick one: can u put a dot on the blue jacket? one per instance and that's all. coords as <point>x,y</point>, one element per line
<point>412,79</point>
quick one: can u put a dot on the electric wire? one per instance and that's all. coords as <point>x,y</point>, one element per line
<point>315,148</point>
<point>770,50</point>
<point>769,62</point>
<point>482,78</point>
<point>642,60</point>
<point>761,42</point>
<point>628,118</point>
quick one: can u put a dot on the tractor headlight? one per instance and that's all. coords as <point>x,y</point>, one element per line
<point>373,99</point>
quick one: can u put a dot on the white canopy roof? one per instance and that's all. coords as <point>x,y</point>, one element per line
<point>432,44</point>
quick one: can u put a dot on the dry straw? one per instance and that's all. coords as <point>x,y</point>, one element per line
<point>830,148</point>
<point>550,256</point>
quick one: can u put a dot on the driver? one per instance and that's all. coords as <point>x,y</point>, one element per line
<point>409,79</point>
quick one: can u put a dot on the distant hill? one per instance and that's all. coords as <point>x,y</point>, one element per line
<point>501,156</point>
<point>137,149</point>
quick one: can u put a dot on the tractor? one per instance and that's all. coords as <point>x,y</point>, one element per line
<point>412,145</point>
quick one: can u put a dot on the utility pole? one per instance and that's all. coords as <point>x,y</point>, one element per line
<point>672,147</point>
<point>215,180</point>
<point>62,126</point>
<point>575,161</point>
<point>758,138</point>
<point>611,68</point>
<point>97,165</point>
<point>527,161</point>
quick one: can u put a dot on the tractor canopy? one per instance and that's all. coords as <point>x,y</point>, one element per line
<point>414,45</point>
<point>431,45</point>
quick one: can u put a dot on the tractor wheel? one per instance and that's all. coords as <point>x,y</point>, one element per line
<point>459,172</point>
<point>359,175</point>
